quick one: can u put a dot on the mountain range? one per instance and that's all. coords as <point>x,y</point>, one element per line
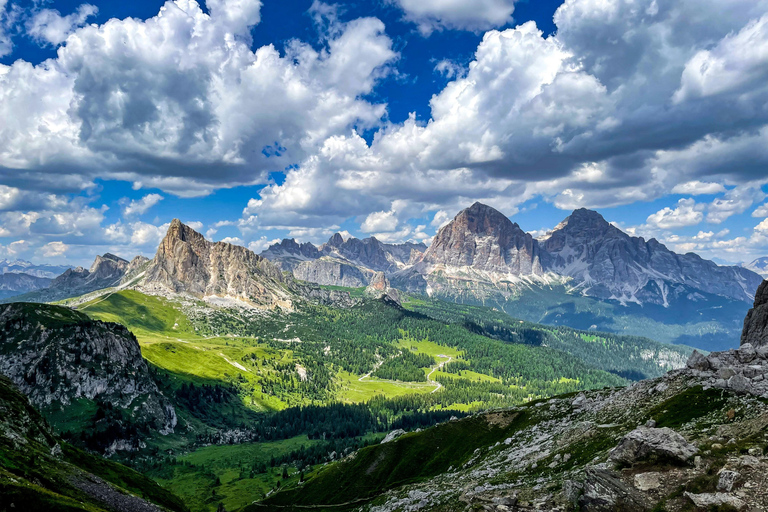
<point>585,273</point>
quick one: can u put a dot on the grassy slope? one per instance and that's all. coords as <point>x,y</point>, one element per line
<point>32,479</point>
<point>413,457</point>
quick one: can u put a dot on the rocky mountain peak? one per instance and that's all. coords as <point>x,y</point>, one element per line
<point>107,266</point>
<point>186,262</point>
<point>484,238</point>
<point>336,240</point>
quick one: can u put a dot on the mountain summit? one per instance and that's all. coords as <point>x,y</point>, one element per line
<point>188,263</point>
<point>484,239</point>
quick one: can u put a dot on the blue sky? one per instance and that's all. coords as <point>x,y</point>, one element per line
<point>255,121</point>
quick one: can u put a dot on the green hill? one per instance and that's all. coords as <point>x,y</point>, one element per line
<point>40,472</point>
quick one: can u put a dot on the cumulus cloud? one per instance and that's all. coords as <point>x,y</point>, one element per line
<point>761,211</point>
<point>697,188</point>
<point>53,249</point>
<point>478,15</point>
<point>687,213</point>
<point>141,206</point>
<point>735,201</point>
<point>48,26</point>
<point>180,101</point>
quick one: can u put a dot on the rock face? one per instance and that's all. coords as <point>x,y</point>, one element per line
<point>332,272</point>
<point>57,356</point>
<point>755,331</point>
<point>106,271</point>
<point>484,239</point>
<point>46,476</point>
<point>646,443</point>
<point>606,263</point>
<point>338,262</point>
<point>188,263</point>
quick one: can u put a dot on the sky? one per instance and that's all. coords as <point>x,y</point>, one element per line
<point>257,120</point>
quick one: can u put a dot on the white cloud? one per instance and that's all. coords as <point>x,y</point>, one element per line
<point>736,62</point>
<point>687,213</point>
<point>48,26</point>
<point>53,249</point>
<point>380,221</point>
<point>440,219</point>
<point>7,18</point>
<point>180,102</point>
<point>233,240</point>
<point>696,188</point>
<point>761,211</point>
<point>735,201</point>
<point>262,244</point>
<point>477,15</point>
<point>141,206</point>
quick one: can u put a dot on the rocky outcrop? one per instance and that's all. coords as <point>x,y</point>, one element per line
<point>42,473</point>
<point>57,356</point>
<point>332,272</point>
<point>605,491</point>
<point>659,444</point>
<point>188,263</point>
<point>755,331</point>
<point>381,288</point>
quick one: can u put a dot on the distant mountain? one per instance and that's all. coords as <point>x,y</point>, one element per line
<point>759,266</point>
<point>585,273</point>
<point>68,364</point>
<point>17,283</point>
<point>26,267</point>
<point>606,263</point>
<point>106,271</point>
<point>352,263</point>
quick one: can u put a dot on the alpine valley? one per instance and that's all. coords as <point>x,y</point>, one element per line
<point>490,370</point>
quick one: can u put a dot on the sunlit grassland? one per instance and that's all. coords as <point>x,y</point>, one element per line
<point>354,390</point>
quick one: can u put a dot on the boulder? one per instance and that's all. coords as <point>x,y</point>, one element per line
<point>645,443</point>
<point>393,435</point>
<point>727,479</point>
<point>647,481</point>
<point>605,491</point>
<point>698,361</point>
<point>746,353</point>
<point>716,499</point>
<point>755,330</point>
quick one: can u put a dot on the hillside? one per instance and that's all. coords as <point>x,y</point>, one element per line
<point>40,472</point>
<point>85,376</point>
<point>694,439</point>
